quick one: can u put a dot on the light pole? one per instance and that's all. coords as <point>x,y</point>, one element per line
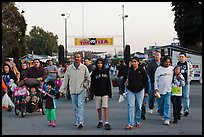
<point>123,17</point>
<point>66,16</point>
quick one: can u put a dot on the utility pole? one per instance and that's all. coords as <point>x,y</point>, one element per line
<point>123,17</point>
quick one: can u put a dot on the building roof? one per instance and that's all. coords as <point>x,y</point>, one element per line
<point>176,48</point>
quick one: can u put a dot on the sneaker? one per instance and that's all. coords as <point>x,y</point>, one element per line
<point>161,118</point>
<point>138,125</point>
<point>129,127</point>
<point>143,117</point>
<point>53,124</point>
<point>107,126</point>
<point>80,126</point>
<point>50,123</point>
<point>150,111</point>
<point>166,122</point>
<point>76,124</point>
<point>186,113</point>
<point>100,125</point>
<point>175,121</point>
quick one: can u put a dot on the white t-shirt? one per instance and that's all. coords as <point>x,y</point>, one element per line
<point>163,79</point>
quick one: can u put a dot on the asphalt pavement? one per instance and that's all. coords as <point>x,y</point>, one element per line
<point>36,123</point>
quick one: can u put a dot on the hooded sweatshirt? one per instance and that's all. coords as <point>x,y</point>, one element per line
<point>100,82</point>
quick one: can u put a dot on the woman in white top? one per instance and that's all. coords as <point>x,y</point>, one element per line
<point>162,84</point>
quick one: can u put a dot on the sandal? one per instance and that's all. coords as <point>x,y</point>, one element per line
<point>138,125</point>
<point>129,127</point>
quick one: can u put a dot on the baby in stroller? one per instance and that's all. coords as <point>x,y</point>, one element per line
<point>31,100</point>
<point>34,96</point>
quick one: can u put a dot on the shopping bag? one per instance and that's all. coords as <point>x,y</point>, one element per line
<point>121,98</point>
<point>6,101</point>
<point>116,82</point>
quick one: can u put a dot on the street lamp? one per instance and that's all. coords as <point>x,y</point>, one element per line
<point>123,18</point>
<point>66,16</point>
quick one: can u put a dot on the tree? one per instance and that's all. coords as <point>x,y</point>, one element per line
<point>41,42</point>
<point>188,23</point>
<point>13,32</point>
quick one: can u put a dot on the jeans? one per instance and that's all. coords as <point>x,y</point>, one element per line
<point>186,94</point>
<point>164,106</point>
<point>134,102</point>
<point>78,106</point>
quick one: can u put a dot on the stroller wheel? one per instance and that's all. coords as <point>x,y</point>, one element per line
<point>10,108</point>
<point>23,112</point>
<point>17,111</point>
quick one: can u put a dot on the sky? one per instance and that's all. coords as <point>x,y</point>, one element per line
<point>147,24</point>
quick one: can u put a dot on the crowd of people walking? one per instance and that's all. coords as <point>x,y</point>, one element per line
<point>138,84</point>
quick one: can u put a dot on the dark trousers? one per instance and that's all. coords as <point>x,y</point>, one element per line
<point>120,83</point>
<point>151,98</point>
<point>144,106</point>
<point>176,102</point>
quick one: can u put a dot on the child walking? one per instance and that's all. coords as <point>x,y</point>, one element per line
<point>50,103</point>
<point>101,88</point>
<point>176,94</point>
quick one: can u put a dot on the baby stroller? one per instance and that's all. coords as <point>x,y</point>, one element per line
<point>28,97</point>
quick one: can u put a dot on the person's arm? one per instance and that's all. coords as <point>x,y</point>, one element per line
<point>182,80</point>
<point>57,95</point>
<point>63,88</point>
<point>17,73</point>
<point>92,86</point>
<point>54,71</point>
<point>146,83</point>
<point>13,76</point>
<point>109,89</point>
<point>87,78</point>
<point>191,72</point>
<point>3,85</point>
<point>156,80</point>
<point>44,75</point>
<point>116,73</point>
<point>124,81</point>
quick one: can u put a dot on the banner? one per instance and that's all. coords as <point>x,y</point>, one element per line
<point>93,41</point>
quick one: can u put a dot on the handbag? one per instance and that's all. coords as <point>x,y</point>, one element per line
<point>116,82</point>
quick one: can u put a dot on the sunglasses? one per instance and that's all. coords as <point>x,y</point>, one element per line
<point>134,61</point>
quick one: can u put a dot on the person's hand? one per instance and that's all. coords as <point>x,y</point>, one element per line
<point>11,80</point>
<point>24,79</point>
<point>124,94</point>
<point>40,79</point>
